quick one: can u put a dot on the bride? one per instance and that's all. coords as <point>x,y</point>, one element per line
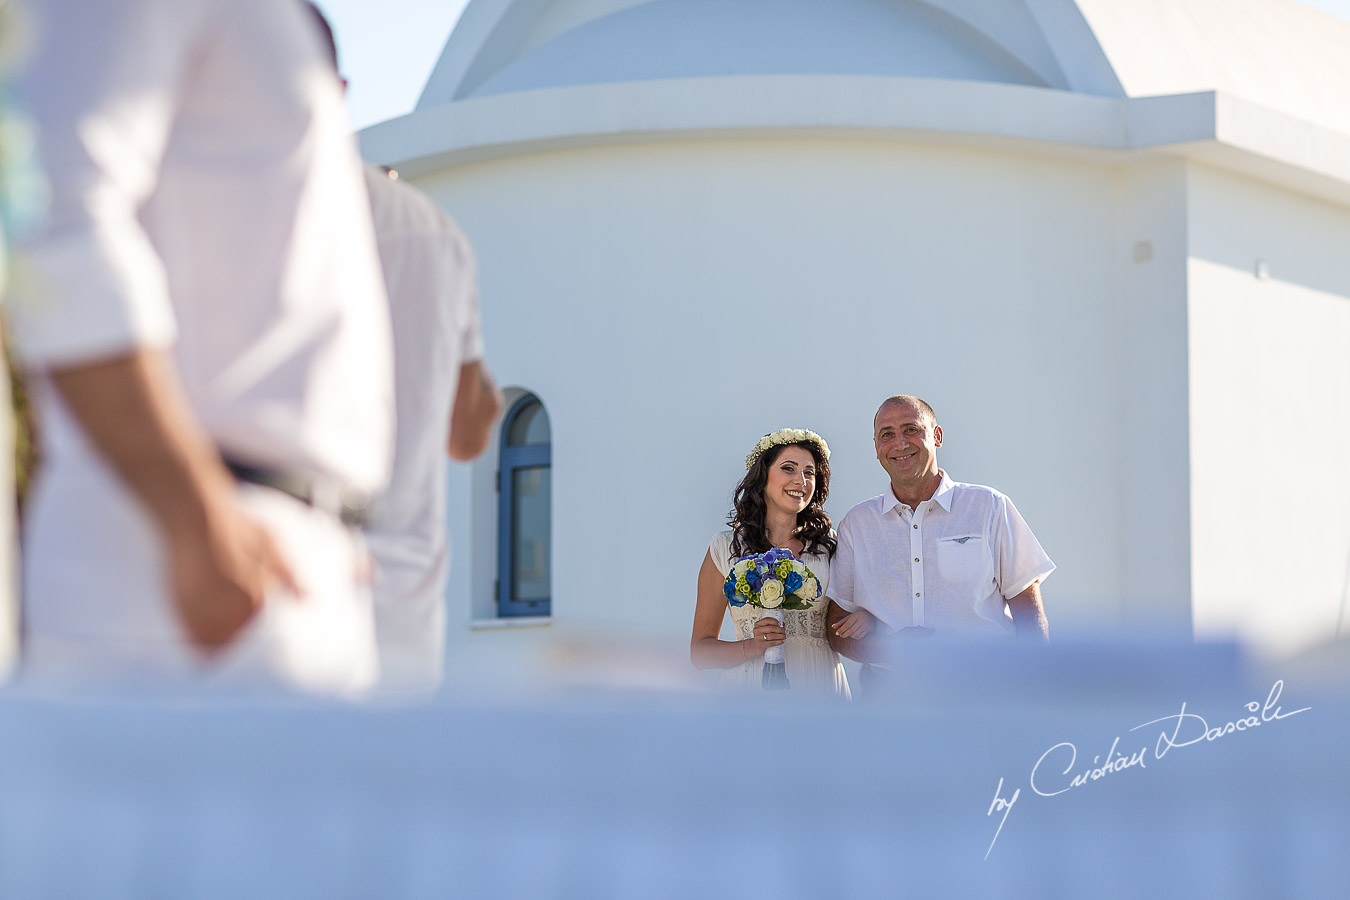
<point>779,503</point>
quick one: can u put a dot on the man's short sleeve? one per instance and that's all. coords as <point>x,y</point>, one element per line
<point>90,284</point>
<point>1021,560</point>
<point>841,568</point>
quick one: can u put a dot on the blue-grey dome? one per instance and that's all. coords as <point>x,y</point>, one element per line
<point>702,38</point>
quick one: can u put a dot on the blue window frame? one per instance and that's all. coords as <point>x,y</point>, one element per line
<point>525,511</point>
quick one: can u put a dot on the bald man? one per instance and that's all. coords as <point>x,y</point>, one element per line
<point>931,557</point>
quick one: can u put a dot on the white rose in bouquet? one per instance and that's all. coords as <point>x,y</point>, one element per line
<point>771,594</point>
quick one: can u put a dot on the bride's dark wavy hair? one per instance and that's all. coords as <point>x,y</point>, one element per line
<point>748,532</point>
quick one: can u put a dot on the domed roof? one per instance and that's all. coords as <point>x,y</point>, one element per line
<point>1259,92</point>
<point>669,39</point>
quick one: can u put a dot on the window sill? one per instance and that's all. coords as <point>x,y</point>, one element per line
<point>509,622</point>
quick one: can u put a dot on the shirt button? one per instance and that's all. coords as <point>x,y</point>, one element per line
<point>916,526</point>
<point>916,559</point>
<point>916,593</point>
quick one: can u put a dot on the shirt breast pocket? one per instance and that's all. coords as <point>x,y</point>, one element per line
<point>964,560</point>
<point>960,541</point>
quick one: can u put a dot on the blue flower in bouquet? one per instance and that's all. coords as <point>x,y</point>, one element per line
<point>792,583</point>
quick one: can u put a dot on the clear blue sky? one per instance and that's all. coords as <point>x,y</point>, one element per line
<point>389,47</point>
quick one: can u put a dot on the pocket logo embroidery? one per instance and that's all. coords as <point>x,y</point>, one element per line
<point>961,540</point>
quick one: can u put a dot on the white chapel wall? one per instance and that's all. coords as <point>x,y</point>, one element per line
<point>674,301</point>
<point>1270,414</point>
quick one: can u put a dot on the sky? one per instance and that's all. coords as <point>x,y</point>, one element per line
<point>389,48</point>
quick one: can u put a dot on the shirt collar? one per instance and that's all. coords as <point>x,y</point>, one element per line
<point>943,495</point>
<point>888,501</point>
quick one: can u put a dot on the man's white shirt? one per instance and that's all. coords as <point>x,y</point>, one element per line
<point>949,565</point>
<point>207,200</point>
<point>432,283</point>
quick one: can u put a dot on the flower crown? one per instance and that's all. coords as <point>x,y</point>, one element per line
<point>787,436</point>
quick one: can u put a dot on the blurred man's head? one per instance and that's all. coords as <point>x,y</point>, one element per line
<point>326,39</point>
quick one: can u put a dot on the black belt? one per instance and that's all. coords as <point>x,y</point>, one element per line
<point>323,494</point>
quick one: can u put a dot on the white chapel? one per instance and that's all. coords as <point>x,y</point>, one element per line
<point>1109,242</point>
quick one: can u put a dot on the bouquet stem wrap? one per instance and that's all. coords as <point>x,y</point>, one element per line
<point>774,655</point>
<point>775,670</point>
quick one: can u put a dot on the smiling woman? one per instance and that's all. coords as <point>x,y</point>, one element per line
<point>778,504</point>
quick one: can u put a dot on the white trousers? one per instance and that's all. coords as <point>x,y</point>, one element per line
<point>97,610</point>
<point>410,630</point>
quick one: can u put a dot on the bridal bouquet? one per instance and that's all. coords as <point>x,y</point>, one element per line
<point>772,581</point>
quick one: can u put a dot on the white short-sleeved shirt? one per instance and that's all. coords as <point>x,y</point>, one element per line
<point>432,284</point>
<point>206,200</point>
<point>949,565</point>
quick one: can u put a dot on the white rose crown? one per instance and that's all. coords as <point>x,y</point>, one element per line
<point>787,436</point>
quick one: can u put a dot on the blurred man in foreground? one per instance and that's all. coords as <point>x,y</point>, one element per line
<point>205,320</point>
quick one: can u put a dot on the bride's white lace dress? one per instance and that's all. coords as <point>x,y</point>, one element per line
<point>812,667</point>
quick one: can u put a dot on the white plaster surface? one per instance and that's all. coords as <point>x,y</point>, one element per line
<point>1149,434</point>
<point>678,301</point>
<point>1276,53</point>
<point>1270,379</point>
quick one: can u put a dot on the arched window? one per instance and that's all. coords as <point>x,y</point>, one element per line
<point>524,511</point>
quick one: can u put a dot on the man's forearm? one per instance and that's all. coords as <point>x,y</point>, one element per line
<point>134,412</point>
<point>477,405</point>
<point>874,648</point>
<point>221,564</point>
<point>1028,615</point>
